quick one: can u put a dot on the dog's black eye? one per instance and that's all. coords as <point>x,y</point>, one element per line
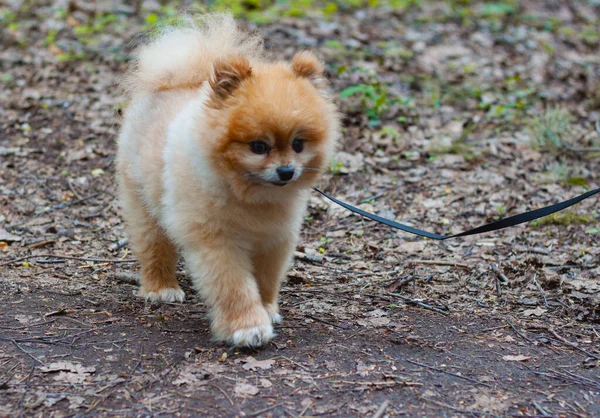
<point>298,145</point>
<point>259,147</point>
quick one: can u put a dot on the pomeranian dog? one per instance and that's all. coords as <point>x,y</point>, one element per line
<point>217,154</point>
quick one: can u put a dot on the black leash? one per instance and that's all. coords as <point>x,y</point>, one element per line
<point>493,226</point>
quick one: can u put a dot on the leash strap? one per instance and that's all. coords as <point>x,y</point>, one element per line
<point>493,226</point>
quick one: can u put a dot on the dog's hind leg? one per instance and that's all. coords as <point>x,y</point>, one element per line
<point>153,248</point>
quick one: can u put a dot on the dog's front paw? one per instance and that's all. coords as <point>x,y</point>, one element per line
<point>253,337</point>
<point>249,328</point>
<point>168,294</point>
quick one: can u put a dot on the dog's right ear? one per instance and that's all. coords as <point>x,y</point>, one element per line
<point>228,74</point>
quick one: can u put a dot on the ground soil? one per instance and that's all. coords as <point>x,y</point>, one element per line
<point>377,322</point>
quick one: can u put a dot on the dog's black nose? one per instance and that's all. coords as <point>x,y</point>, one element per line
<point>285,172</point>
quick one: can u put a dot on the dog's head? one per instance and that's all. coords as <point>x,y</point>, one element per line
<point>277,126</point>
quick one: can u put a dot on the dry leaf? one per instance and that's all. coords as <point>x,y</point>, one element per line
<point>520,357</point>
<point>67,366</point>
<point>252,364</point>
<point>8,237</point>
<point>539,311</point>
<point>245,389</point>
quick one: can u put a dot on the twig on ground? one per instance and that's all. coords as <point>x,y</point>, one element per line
<point>20,406</point>
<point>572,345</point>
<point>127,277</point>
<point>313,258</point>
<point>450,373</point>
<point>570,378</point>
<point>224,393</point>
<point>308,405</point>
<point>445,405</point>
<point>540,409</point>
<point>440,263</point>
<point>519,333</point>
<point>401,282</point>
<point>56,207</point>
<point>37,324</point>
<point>382,409</point>
<point>501,276</point>
<point>292,361</point>
<point>262,411</point>
<point>119,244</point>
<point>534,250</point>
<point>498,286</point>
<point>28,353</point>
<point>326,322</point>
<point>541,290</point>
<point>418,303</point>
<point>65,257</point>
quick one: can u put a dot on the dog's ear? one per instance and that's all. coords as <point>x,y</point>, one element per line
<point>306,65</point>
<point>228,74</point>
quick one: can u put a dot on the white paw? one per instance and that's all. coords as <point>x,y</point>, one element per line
<point>253,337</point>
<point>170,294</point>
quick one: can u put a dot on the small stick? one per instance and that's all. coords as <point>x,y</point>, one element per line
<point>498,286</point>
<point>445,405</point>
<point>572,345</point>
<point>501,276</point>
<point>541,290</point>
<point>119,244</point>
<point>313,258</point>
<point>65,257</point>
<point>72,188</point>
<point>305,409</point>
<point>224,393</point>
<point>540,409</point>
<point>28,353</point>
<point>325,322</point>
<point>262,411</point>
<point>517,331</point>
<point>401,282</point>
<point>418,303</point>
<point>292,361</point>
<point>450,373</point>
<point>53,208</point>
<point>382,409</point>
<point>127,277</point>
<point>441,263</point>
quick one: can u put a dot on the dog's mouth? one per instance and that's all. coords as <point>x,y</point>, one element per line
<point>280,183</point>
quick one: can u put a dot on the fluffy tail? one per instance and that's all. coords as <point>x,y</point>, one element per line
<point>182,57</point>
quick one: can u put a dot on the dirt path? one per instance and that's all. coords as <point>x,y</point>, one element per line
<point>443,108</point>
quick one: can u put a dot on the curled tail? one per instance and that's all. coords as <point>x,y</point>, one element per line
<point>182,57</point>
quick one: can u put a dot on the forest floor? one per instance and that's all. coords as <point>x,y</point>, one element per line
<point>456,114</point>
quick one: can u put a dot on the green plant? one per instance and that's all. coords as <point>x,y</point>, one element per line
<point>547,132</point>
<point>563,218</point>
<point>374,98</point>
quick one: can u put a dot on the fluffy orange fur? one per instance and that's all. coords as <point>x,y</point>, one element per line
<point>217,154</point>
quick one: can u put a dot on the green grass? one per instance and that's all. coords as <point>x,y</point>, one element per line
<point>547,131</point>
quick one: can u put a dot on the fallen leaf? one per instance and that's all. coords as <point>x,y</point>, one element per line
<point>539,311</point>
<point>520,357</point>
<point>8,237</point>
<point>24,319</point>
<point>252,364</point>
<point>68,367</point>
<point>245,389</point>
<point>265,383</point>
<point>76,402</point>
<point>186,378</point>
